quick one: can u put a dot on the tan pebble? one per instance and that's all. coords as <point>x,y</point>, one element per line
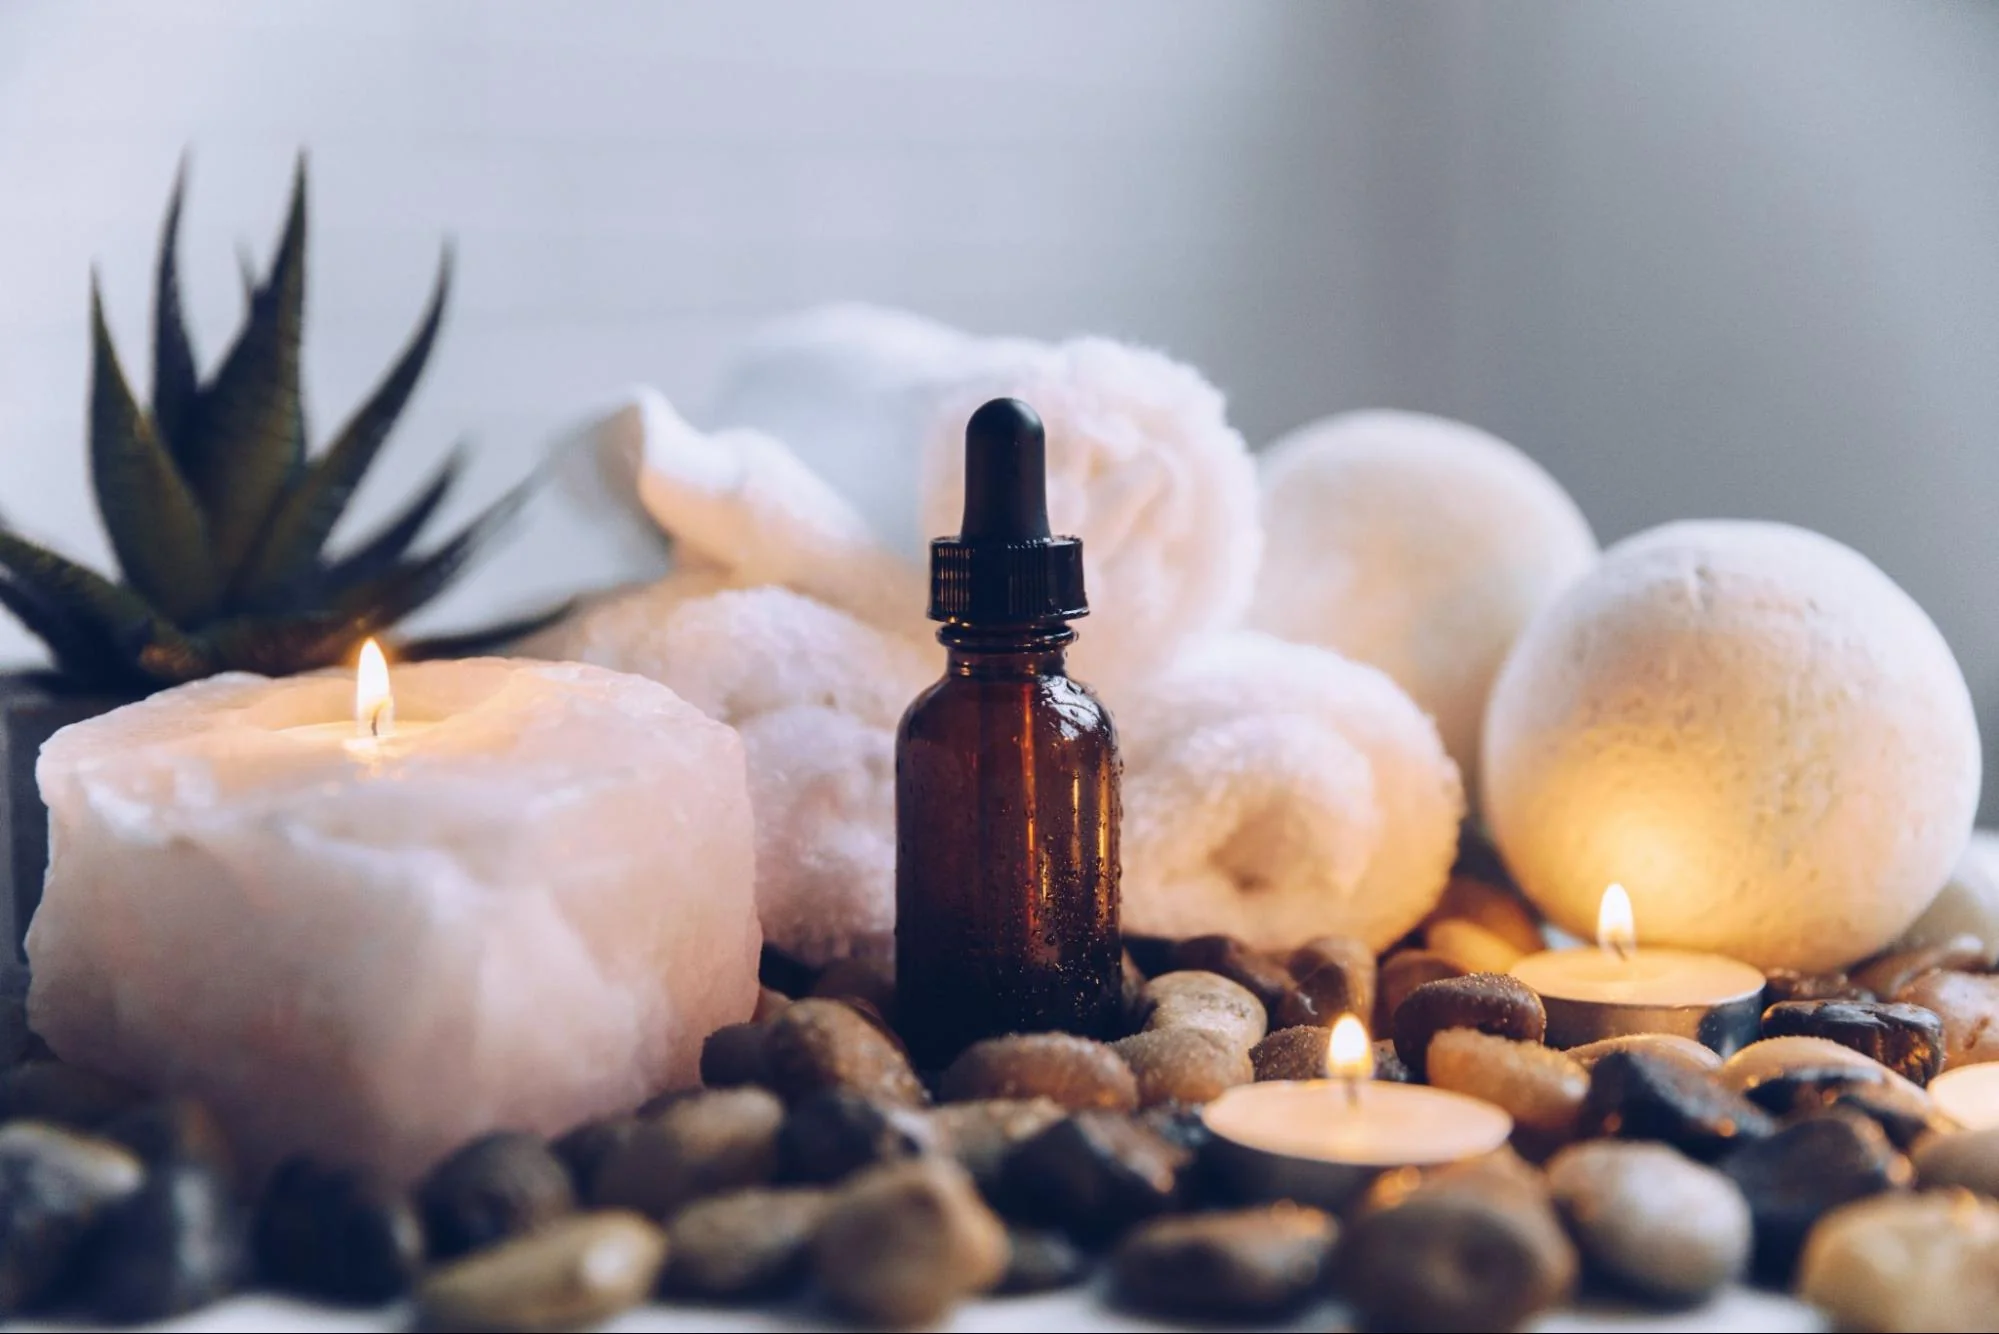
<point>1470,946</point>
<point>1668,1046</point>
<point>1540,1088</point>
<point>1189,1065</point>
<point>576,1271</point>
<point>1194,999</point>
<point>819,1043</point>
<point>1966,1158</point>
<point>1906,1263</point>
<point>1075,1072</point>
<point>1335,975</point>
<point>1237,1263</point>
<point>1652,1220</point>
<point>746,1243</point>
<point>1968,1004</point>
<point>903,1243</point>
<point>979,1135</point>
<point>1496,909</point>
<point>1292,1053</point>
<point>1890,973</point>
<point>1399,976</point>
<point>1772,1058</point>
<point>719,1140</point>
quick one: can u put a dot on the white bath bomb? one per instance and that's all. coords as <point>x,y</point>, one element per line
<point>530,916</point>
<point>1752,729</point>
<point>1419,545</point>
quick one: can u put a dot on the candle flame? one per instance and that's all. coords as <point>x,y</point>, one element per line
<point>374,705</point>
<point>1616,927</point>
<point>1349,1053</point>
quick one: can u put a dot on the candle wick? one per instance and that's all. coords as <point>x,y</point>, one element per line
<point>1353,1090</point>
<point>1621,947</point>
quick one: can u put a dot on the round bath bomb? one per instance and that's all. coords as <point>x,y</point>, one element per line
<point>1748,726</point>
<point>1416,544</point>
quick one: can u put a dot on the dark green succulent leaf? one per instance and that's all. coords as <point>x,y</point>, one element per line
<point>175,383</point>
<point>77,651</point>
<point>410,584</point>
<point>155,524</point>
<point>487,639</point>
<point>129,630</point>
<point>246,445</point>
<point>379,552</point>
<point>289,546</point>
<point>282,645</point>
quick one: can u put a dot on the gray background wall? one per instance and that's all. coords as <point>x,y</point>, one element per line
<point>1700,259</point>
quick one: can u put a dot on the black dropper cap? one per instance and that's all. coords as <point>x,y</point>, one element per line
<point>1003,567</point>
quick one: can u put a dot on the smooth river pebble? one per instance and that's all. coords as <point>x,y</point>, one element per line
<point>1236,1264</point>
<point>1075,1072</point>
<point>1966,1158</point>
<point>1908,1039</point>
<point>1257,973</point>
<point>820,1044</point>
<point>54,1186</point>
<point>1540,1088</point>
<point>1650,1220</point>
<point>1093,1174</point>
<point>1637,1095</point>
<point>1905,1264</point>
<point>1335,975</point>
<point>703,1144</point>
<point>495,1187</point>
<point>747,1243</point>
<point>837,1132</point>
<point>1489,1002</point>
<point>341,1234</point>
<point>1194,999</point>
<point>574,1272</point>
<point>1968,1005</point>
<point>900,1244</point>
<point>1670,1046</point>
<point>1186,1065</point>
<point>175,1244</point>
<point>1806,1170</point>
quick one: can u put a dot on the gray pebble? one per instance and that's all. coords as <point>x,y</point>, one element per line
<point>979,1135</point>
<point>55,1184</point>
<point>1803,1172</point>
<point>901,1244</point>
<point>748,1243</point>
<point>496,1187</point>
<point>718,1140</point>
<point>1906,1263</point>
<point>1240,1263</point>
<point>1093,1174</point>
<point>174,1245</point>
<point>1194,999</point>
<point>1651,1221</point>
<point>1298,1052</point>
<point>837,1132</point>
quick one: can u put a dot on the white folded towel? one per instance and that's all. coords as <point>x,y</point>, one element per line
<point>1142,463</point>
<point>1278,792</point>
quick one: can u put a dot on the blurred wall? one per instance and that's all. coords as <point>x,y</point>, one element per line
<point>1699,259</point>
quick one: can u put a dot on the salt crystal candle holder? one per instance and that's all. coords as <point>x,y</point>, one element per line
<point>1617,989</point>
<point>1324,1141</point>
<point>518,897</point>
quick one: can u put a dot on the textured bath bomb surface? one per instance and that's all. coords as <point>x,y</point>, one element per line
<point>530,919</point>
<point>1419,545</point>
<point>1751,728</point>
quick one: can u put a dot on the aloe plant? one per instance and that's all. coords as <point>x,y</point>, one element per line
<point>218,515</point>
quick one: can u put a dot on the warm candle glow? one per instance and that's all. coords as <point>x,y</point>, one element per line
<point>1349,1053</point>
<point>374,706</point>
<point>1616,928</point>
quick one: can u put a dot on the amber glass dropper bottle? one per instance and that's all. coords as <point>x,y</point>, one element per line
<point>1006,779</point>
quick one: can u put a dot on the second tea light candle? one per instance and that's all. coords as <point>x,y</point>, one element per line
<point>1617,989</point>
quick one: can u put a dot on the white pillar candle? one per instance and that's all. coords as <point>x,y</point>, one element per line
<point>1617,989</point>
<point>1323,1140</point>
<point>520,897</point>
<point>1968,1095</point>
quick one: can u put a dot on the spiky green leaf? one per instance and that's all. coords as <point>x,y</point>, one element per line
<point>281,645</point>
<point>129,629</point>
<point>246,445</point>
<point>175,384</point>
<point>289,545</point>
<point>393,595</point>
<point>496,638</point>
<point>77,652</point>
<point>378,553</point>
<point>155,524</point>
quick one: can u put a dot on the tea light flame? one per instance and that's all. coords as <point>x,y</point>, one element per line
<point>1350,1055</point>
<point>1616,927</point>
<point>374,705</point>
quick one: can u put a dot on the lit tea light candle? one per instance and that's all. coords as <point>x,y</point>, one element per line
<point>1323,1140</point>
<point>1969,1095</point>
<point>371,920</point>
<point>1618,989</point>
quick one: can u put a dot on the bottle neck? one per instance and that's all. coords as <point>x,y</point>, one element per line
<point>1008,651</point>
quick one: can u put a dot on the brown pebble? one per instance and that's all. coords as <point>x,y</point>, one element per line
<point>718,1140</point>
<point>576,1271</point>
<point>1451,1255</point>
<point>748,1243</point>
<point>1192,999</point>
<point>770,1004</point>
<point>820,1044</point>
<point>979,1135</point>
<point>1470,946</point>
<point>1400,974</point>
<point>1908,1039</point>
<point>1496,909</point>
<point>1906,1263</point>
<point>1668,1046</point>
<point>1093,1175</point>
<point>1966,1158</point>
<point>1292,1053</point>
<point>1189,1065</point>
<point>1240,1263</point>
<point>497,1186</point>
<point>1258,974</point>
<point>1807,1169</point>
<point>1968,1004</point>
<point>870,980</point>
<point>1336,975</point>
<point>1075,1072</point>
<point>1540,1088</point>
<point>837,1132</point>
<point>1650,1220</point>
<point>584,1148</point>
<point>903,1243</point>
<point>733,1056</point>
<point>1489,1002</point>
<point>1891,973</point>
